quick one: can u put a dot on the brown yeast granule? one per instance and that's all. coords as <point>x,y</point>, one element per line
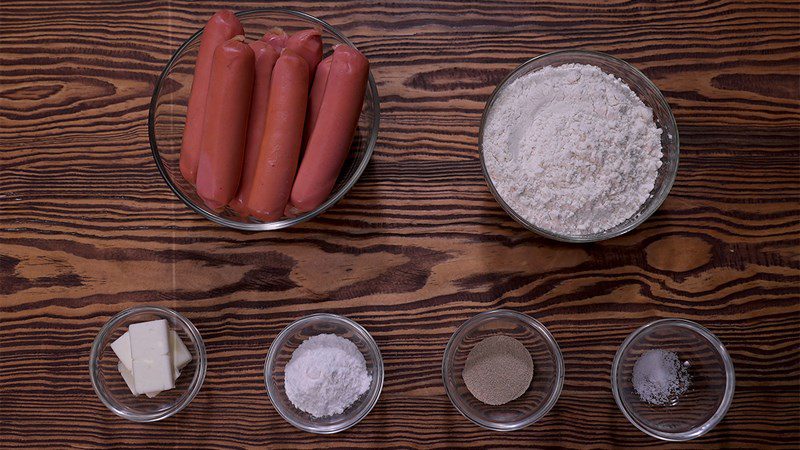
<point>498,370</point>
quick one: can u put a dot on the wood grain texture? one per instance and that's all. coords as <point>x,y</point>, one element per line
<point>88,227</point>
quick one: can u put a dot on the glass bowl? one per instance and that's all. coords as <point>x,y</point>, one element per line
<point>548,370</point>
<point>650,96</point>
<point>110,386</point>
<point>168,113</point>
<point>711,380</point>
<point>280,352</point>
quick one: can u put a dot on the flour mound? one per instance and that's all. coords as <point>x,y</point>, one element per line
<point>572,149</point>
<point>326,374</point>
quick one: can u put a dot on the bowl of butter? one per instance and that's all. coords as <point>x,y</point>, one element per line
<point>147,363</point>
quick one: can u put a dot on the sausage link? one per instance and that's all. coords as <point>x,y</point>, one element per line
<point>333,132</point>
<point>315,97</point>
<point>220,27</point>
<point>265,57</point>
<point>283,133</point>
<point>225,124</point>
<point>308,44</point>
<point>276,37</point>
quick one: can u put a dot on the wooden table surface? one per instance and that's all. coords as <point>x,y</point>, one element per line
<point>89,228</point>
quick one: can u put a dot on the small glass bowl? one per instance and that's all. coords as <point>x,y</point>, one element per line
<point>548,370</point>
<point>647,92</point>
<point>280,352</point>
<point>711,384</point>
<point>168,112</point>
<point>111,388</point>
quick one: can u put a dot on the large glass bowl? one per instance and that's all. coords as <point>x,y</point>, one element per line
<point>647,92</point>
<point>548,370</point>
<point>711,380</point>
<point>168,113</point>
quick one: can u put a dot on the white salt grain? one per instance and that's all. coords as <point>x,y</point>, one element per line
<point>659,377</point>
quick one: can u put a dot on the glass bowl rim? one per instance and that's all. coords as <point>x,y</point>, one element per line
<point>275,348</point>
<point>730,380</point>
<point>655,202</point>
<point>457,338</point>
<point>372,137</point>
<point>197,380</point>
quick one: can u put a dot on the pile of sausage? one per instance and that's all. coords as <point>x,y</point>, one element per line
<point>269,123</point>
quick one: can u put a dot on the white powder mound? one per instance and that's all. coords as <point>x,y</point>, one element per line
<point>326,374</point>
<point>659,377</point>
<point>572,149</point>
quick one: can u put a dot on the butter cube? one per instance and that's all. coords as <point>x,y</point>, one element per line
<point>127,376</point>
<point>152,362</point>
<point>149,339</point>
<point>153,374</point>
<point>151,356</point>
<point>122,348</point>
<point>180,354</point>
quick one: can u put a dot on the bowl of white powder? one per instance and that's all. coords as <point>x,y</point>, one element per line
<point>673,379</point>
<point>578,146</point>
<point>324,373</point>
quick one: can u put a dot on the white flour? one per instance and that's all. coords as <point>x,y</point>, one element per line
<point>325,375</point>
<point>572,149</point>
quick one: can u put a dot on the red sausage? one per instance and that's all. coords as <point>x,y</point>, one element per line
<point>315,97</point>
<point>276,37</point>
<point>330,140</point>
<point>308,44</point>
<point>283,133</point>
<point>225,124</point>
<point>220,27</point>
<point>265,57</point>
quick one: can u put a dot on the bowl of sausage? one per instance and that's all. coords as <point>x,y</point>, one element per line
<point>264,118</point>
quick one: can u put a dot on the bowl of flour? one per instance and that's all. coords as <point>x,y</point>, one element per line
<point>578,146</point>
